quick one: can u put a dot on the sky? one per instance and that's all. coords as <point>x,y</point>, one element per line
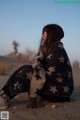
<point>23,20</point>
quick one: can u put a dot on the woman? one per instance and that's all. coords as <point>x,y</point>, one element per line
<point>50,76</point>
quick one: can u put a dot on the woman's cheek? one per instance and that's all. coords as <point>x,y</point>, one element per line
<point>43,41</point>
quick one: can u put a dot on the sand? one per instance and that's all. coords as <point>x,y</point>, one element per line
<point>45,110</point>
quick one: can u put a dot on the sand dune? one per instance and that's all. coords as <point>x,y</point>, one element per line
<point>45,109</point>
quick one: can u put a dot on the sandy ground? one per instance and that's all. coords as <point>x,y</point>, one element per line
<point>45,110</point>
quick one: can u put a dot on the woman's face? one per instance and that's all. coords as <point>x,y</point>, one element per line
<point>44,37</point>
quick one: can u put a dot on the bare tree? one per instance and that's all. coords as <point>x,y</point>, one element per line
<point>15,47</point>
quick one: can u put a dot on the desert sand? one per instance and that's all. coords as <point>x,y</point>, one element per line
<point>45,110</point>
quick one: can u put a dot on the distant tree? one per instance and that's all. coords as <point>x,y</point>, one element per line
<point>15,47</point>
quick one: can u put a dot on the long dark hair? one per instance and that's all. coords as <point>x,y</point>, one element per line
<point>54,35</point>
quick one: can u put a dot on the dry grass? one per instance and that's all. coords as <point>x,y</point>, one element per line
<point>6,67</point>
<point>12,61</point>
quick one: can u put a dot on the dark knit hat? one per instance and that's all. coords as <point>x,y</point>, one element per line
<point>54,31</point>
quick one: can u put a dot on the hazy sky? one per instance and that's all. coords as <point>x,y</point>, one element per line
<point>23,20</point>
